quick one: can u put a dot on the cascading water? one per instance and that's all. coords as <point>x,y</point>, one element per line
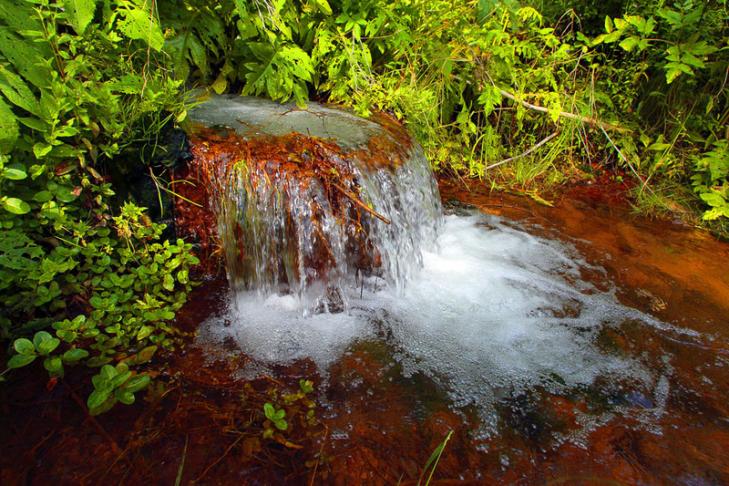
<point>336,239</point>
<point>309,201</point>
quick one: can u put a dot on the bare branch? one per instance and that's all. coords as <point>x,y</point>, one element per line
<point>524,154</point>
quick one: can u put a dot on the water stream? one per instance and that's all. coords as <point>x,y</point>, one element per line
<point>476,305</point>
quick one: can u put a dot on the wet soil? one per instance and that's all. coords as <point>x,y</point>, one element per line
<point>376,427</point>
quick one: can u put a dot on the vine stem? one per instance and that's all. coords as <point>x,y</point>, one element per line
<point>523,154</point>
<point>565,114</point>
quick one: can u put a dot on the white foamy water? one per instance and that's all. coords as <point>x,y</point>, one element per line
<point>493,311</point>
<point>476,304</point>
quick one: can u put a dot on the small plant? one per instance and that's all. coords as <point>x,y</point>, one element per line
<point>432,464</point>
<point>297,407</point>
<point>114,384</point>
<point>43,345</point>
<point>277,418</point>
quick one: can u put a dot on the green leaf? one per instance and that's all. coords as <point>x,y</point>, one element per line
<point>15,205</point>
<point>609,27</point>
<point>307,386</point>
<point>24,346</point>
<point>269,411</point>
<point>146,354</point>
<point>137,383</point>
<point>97,398</point>
<point>168,282</point>
<point>713,199</point>
<point>53,365</point>
<point>125,397</point>
<point>629,43</point>
<point>20,360</point>
<point>28,58</point>
<point>41,149</point>
<point>144,332</point>
<point>8,128</point>
<point>281,424</point>
<point>79,13</point>
<point>323,6</point>
<point>74,355</point>
<point>47,346</point>
<point>140,24</point>
<point>39,337</point>
<point>14,174</point>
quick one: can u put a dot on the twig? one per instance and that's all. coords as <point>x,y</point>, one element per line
<point>115,447</point>
<point>565,114</point>
<point>359,203</point>
<point>178,479</point>
<point>230,448</point>
<point>620,154</point>
<point>523,154</point>
<point>318,458</point>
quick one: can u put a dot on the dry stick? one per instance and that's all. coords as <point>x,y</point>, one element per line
<point>318,458</point>
<point>565,114</point>
<point>230,448</point>
<point>359,203</point>
<point>524,154</point>
<point>644,183</point>
<point>114,446</point>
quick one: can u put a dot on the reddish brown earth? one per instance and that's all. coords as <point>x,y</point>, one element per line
<point>378,428</point>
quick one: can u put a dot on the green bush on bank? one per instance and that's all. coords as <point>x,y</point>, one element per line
<point>82,282</point>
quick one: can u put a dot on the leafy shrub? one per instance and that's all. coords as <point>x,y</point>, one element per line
<point>78,83</point>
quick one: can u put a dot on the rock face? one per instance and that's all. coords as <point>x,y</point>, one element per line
<point>304,200</point>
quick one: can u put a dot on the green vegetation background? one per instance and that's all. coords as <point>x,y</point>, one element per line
<point>524,95</point>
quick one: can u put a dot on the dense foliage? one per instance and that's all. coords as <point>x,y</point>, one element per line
<point>78,83</point>
<point>523,94</point>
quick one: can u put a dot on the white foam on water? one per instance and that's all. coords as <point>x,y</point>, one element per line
<point>494,309</point>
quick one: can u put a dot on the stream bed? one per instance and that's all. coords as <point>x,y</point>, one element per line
<point>577,344</point>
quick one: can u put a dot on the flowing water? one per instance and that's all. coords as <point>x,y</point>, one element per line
<point>493,318</point>
<point>570,345</point>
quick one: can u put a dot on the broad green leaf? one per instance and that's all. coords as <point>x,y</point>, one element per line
<point>79,13</point>
<point>713,199</point>
<point>42,196</point>
<point>609,26</point>
<point>323,6</point>
<point>24,346</point>
<point>54,365</point>
<point>142,25</point>
<point>137,383</point>
<point>20,360</point>
<point>14,174</point>
<point>15,205</point>
<point>28,58</point>
<point>74,355</point>
<point>269,411</point>
<point>675,69</point>
<point>144,332</point>
<point>8,128</point>
<point>41,149</point>
<point>97,398</point>
<point>168,282</point>
<point>40,337</point>
<point>146,354</point>
<point>629,43</point>
<point>125,397</point>
<point>47,346</point>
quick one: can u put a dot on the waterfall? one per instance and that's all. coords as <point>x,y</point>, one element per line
<point>310,201</point>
